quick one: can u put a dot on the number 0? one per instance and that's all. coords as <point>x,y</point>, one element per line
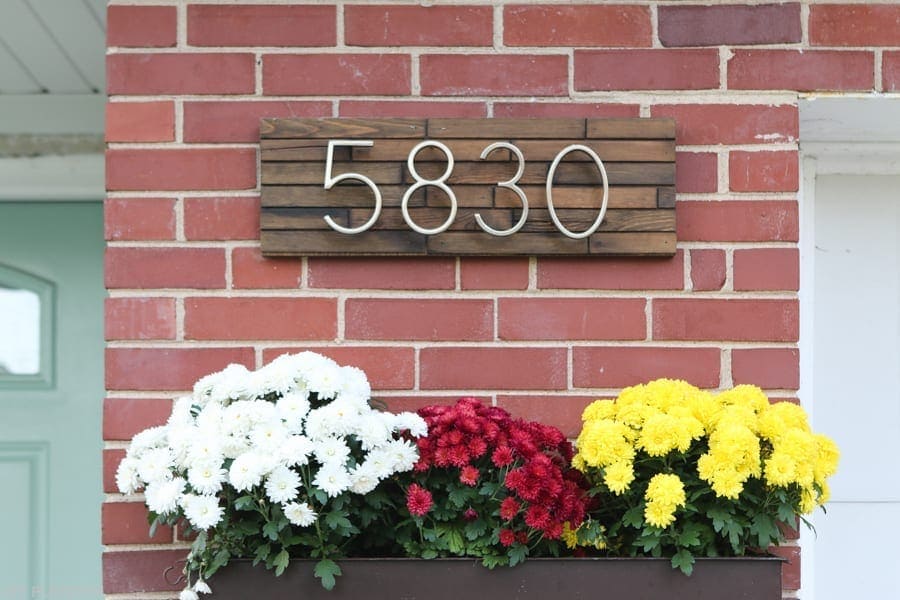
<point>603,204</point>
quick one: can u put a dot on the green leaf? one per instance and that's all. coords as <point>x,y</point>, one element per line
<point>459,497</point>
<point>690,535</point>
<point>326,570</point>
<point>218,561</point>
<point>786,513</point>
<point>735,532</point>
<point>262,553</point>
<point>429,554</point>
<point>455,541</point>
<point>154,522</point>
<point>517,554</point>
<point>634,516</point>
<point>719,516</point>
<point>270,530</point>
<point>683,560</point>
<point>765,530</point>
<point>245,503</point>
<point>648,541</point>
<point>475,529</point>
<point>337,520</point>
<point>281,562</point>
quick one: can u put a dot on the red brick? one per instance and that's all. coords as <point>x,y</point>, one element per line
<point>732,123</point>
<point>217,121</point>
<point>230,218</point>
<point>604,70</point>
<point>810,70</point>
<point>737,320</point>
<point>139,219</point>
<point>581,25</point>
<point>411,108</point>
<point>764,171</point>
<point>891,71</point>
<point>562,412</point>
<point>449,368</point>
<point>194,169</point>
<point>485,273</point>
<point>493,74</point>
<point>772,368</point>
<point>168,368</point>
<point>383,273</point>
<point>565,109</point>
<point>412,319</point>
<point>767,269</point>
<point>259,25</point>
<point>180,73</point>
<point>387,368</point>
<point>140,121</point>
<point>140,571</point>
<point>618,367</point>
<point>735,25</point>
<point>737,221</point>
<point>696,172</point>
<point>571,318</point>
<point>336,74</point>
<point>790,570</point>
<point>125,417</point>
<point>249,269</point>
<point>199,268</point>
<point>707,270</point>
<point>140,319</point>
<point>141,26</point>
<point>612,273</point>
<point>111,460</point>
<point>299,318</point>
<point>854,25</point>
<point>391,25</point>
<point>126,523</point>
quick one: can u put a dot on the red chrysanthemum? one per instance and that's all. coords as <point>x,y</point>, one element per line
<point>418,500</point>
<point>469,475</point>
<point>509,508</point>
<point>507,537</point>
<point>470,515</point>
<point>502,456</point>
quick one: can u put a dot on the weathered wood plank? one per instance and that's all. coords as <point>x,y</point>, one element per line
<point>519,244</point>
<point>574,173</point>
<point>643,244</point>
<point>342,128</point>
<point>470,196</point>
<point>304,218</point>
<point>578,197</point>
<point>293,243</point>
<point>577,220</point>
<point>308,173</point>
<point>342,195</point>
<point>504,129</point>
<point>608,151</point>
<point>665,197</point>
<point>631,129</point>
<point>463,150</point>
<point>430,218</point>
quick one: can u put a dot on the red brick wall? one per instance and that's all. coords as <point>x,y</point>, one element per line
<point>189,291</point>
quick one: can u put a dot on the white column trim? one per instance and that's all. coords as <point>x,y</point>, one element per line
<point>68,177</point>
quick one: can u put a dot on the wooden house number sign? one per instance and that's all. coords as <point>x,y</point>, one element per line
<point>484,187</point>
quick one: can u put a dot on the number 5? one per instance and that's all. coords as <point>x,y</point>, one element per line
<point>330,182</point>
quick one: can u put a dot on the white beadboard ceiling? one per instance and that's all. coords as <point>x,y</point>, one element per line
<point>52,66</point>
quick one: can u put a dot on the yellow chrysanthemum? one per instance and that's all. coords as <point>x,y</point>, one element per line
<point>602,442</point>
<point>666,489</point>
<point>570,537</point>
<point>599,409</point>
<point>781,470</point>
<point>659,515</point>
<point>618,476</point>
<point>659,435</point>
<point>728,484</point>
<point>748,396</point>
<point>827,457</point>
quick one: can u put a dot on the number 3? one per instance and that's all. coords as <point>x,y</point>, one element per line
<point>511,185</point>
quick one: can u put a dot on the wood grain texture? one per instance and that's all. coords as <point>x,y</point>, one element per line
<point>638,156</point>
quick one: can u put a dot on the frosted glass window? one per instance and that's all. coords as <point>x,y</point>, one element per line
<point>20,332</point>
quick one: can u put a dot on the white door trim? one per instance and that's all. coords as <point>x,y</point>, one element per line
<point>838,136</point>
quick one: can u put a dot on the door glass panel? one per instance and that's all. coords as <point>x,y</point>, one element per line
<point>20,332</point>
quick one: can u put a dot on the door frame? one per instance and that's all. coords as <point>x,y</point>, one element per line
<point>838,136</point>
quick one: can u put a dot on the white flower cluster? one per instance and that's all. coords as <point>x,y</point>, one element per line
<point>258,430</point>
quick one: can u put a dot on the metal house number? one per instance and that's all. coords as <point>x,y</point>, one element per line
<point>441,183</point>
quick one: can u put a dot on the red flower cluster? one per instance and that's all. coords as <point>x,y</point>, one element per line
<point>540,486</point>
<point>418,500</point>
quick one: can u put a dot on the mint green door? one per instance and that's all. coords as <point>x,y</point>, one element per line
<point>51,393</point>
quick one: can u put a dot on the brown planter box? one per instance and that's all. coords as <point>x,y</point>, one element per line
<point>537,579</point>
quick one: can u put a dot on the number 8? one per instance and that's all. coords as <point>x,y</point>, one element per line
<point>421,182</point>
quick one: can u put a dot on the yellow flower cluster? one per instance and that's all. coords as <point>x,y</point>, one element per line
<point>570,537</point>
<point>746,437</point>
<point>665,493</point>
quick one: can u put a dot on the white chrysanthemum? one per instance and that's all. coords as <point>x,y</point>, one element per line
<point>410,421</point>
<point>373,429</point>
<point>148,439</point>
<point>127,479</point>
<point>206,477</point>
<point>246,471</point>
<point>404,455</point>
<point>282,484</point>
<point>300,513</point>
<point>155,465</point>
<point>363,479</point>
<point>332,451</point>
<point>332,479</point>
<point>202,511</point>
<point>239,417</point>
<point>269,436</point>
<point>337,418</point>
<point>292,408</point>
<point>279,376</point>
<point>234,383</point>
<point>234,446</point>
<point>296,450</point>
<point>205,448</point>
<point>354,384</point>
<point>163,497</point>
<point>181,413</point>
<point>201,587</point>
<point>380,462</point>
<point>209,420</point>
<point>325,380</point>
<point>203,389</point>
<point>188,594</point>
